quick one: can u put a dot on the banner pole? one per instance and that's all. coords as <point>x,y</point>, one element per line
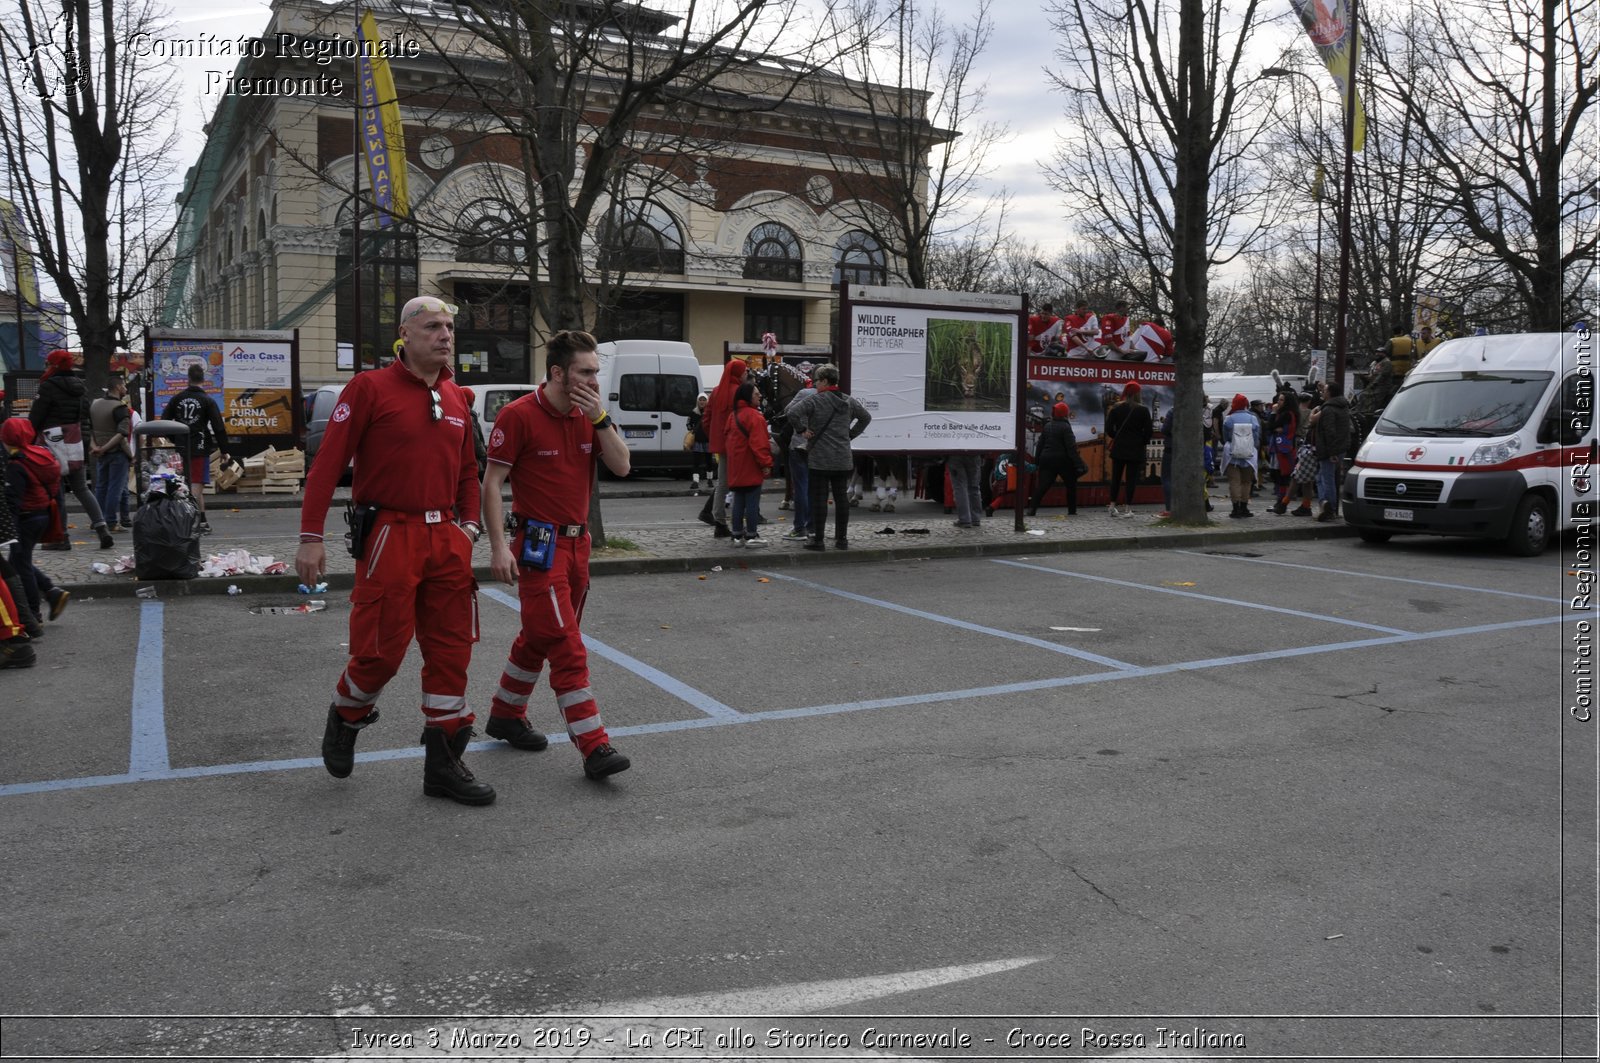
<point>1019,462</point>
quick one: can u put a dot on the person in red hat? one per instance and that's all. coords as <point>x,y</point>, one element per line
<point>1057,458</point>
<point>1241,449</point>
<point>58,412</point>
<point>1130,427</point>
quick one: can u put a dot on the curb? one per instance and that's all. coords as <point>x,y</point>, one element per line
<point>344,581</point>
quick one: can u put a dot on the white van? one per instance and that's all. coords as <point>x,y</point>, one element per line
<point>650,387</point>
<point>1489,436</point>
<point>489,399</point>
<point>1220,387</point>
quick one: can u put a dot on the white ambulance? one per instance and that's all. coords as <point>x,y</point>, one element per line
<point>1490,437</point>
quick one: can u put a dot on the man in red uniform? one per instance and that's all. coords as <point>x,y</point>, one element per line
<point>1153,342</point>
<point>407,428</point>
<point>547,443</point>
<point>1082,332</point>
<point>1044,328</point>
<point>1114,329</point>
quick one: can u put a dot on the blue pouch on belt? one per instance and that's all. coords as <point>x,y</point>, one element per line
<point>538,545</point>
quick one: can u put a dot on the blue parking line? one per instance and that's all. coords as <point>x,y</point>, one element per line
<point>1209,598</point>
<point>148,749</point>
<point>772,715</point>
<point>996,690</point>
<point>1026,640</point>
<point>1322,570</point>
<point>678,689</point>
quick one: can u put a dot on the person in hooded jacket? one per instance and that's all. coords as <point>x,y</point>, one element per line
<point>58,414</point>
<point>749,460</point>
<point>33,487</point>
<point>715,417</point>
<point>1057,457</point>
<point>16,619</point>
<point>1241,453</point>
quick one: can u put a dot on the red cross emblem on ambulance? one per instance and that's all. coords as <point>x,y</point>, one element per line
<point>1416,453</point>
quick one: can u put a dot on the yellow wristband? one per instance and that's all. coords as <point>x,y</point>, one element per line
<point>602,417</point>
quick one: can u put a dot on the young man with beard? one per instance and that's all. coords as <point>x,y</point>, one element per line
<point>546,443</point>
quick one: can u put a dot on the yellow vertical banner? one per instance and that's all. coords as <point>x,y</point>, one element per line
<point>24,278</point>
<point>382,138</point>
<point>1327,23</point>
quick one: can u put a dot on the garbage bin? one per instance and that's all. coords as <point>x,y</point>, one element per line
<point>166,532</point>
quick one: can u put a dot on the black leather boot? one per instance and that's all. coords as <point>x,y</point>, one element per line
<point>443,774</point>
<point>339,742</point>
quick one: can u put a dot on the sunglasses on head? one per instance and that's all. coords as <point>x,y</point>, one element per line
<point>430,306</point>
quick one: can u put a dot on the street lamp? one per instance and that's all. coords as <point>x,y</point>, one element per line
<point>1040,265</point>
<point>1284,72</point>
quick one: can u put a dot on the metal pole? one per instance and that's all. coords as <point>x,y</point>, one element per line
<point>355,214</point>
<point>1341,335</point>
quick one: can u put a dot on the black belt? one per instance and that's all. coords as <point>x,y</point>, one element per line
<point>565,531</point>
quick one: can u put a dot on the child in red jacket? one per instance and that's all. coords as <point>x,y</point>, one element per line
<point>749,457</point>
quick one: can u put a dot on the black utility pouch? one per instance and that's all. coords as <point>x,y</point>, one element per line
<point>538,545</point>
<point>361,519</point>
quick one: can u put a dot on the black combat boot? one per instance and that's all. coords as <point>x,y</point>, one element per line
<point>443,774</point>
<point>515,729</point>
<point>339,742</point>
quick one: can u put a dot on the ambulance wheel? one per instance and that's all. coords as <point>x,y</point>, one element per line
<point>1530,528</point>
<point>1373,535</point>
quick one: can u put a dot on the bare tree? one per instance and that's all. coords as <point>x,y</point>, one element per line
<point>911,153</point>
<point>1162,161</point>
<point>85,136</point>
<point>1504,106</point>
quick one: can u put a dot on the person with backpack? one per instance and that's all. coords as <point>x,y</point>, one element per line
<point>207,433</point>
<point>1241,448</point>
<point>57,414</point>
<point>33,489</point>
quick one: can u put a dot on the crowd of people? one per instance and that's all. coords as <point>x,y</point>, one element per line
<point>1301,442</point>
<point>1086,334</point>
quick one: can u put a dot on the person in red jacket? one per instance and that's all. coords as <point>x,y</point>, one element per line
<point>715,511</point>
<point>546,443</point>
<point>407,427</point>
<point>749,454</point>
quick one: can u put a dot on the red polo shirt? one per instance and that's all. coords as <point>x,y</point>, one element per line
<point>551,456</point>
<point>404,459</point>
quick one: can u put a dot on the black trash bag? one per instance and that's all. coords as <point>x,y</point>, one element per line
<point>166,539</point>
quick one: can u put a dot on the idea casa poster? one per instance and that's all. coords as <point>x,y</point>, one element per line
<point>252,380</point>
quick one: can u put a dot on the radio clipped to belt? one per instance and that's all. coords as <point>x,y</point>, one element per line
<point>538,544</point>
<point>361,519</point>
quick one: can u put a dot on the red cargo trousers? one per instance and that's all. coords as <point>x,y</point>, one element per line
<point>415,580</point>
<point>552,608</point>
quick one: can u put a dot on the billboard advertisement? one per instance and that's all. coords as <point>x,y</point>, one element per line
<point>934,377</point>
<point>252,380</point>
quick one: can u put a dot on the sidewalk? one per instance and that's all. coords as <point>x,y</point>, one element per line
<point>920,530</point>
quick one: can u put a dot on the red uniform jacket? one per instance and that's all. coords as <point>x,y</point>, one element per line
<point>749,451</point>
<point>404,459</point>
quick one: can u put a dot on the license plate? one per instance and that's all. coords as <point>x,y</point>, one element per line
<point>1397,514</point>
<point>638,433</point>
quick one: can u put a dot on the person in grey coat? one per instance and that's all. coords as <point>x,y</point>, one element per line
<point>829,420</point>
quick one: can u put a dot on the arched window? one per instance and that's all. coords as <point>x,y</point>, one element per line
<point>772,253</point>
<point>491,231</point>
<point>639,236</point>
<point>859,259</point>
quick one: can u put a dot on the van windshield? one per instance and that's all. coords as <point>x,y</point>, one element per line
<point>1463,404</point>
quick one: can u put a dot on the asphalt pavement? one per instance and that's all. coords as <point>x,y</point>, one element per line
<point>1270,800</point>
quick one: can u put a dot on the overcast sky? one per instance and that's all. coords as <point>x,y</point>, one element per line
<point>1012,66</point>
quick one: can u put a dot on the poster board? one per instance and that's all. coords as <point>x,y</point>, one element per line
<point>937,370</point>
<point>254,377</point>
<point>1089,387</point>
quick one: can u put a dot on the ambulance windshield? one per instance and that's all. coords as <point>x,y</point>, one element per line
<point>1463,404</point>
